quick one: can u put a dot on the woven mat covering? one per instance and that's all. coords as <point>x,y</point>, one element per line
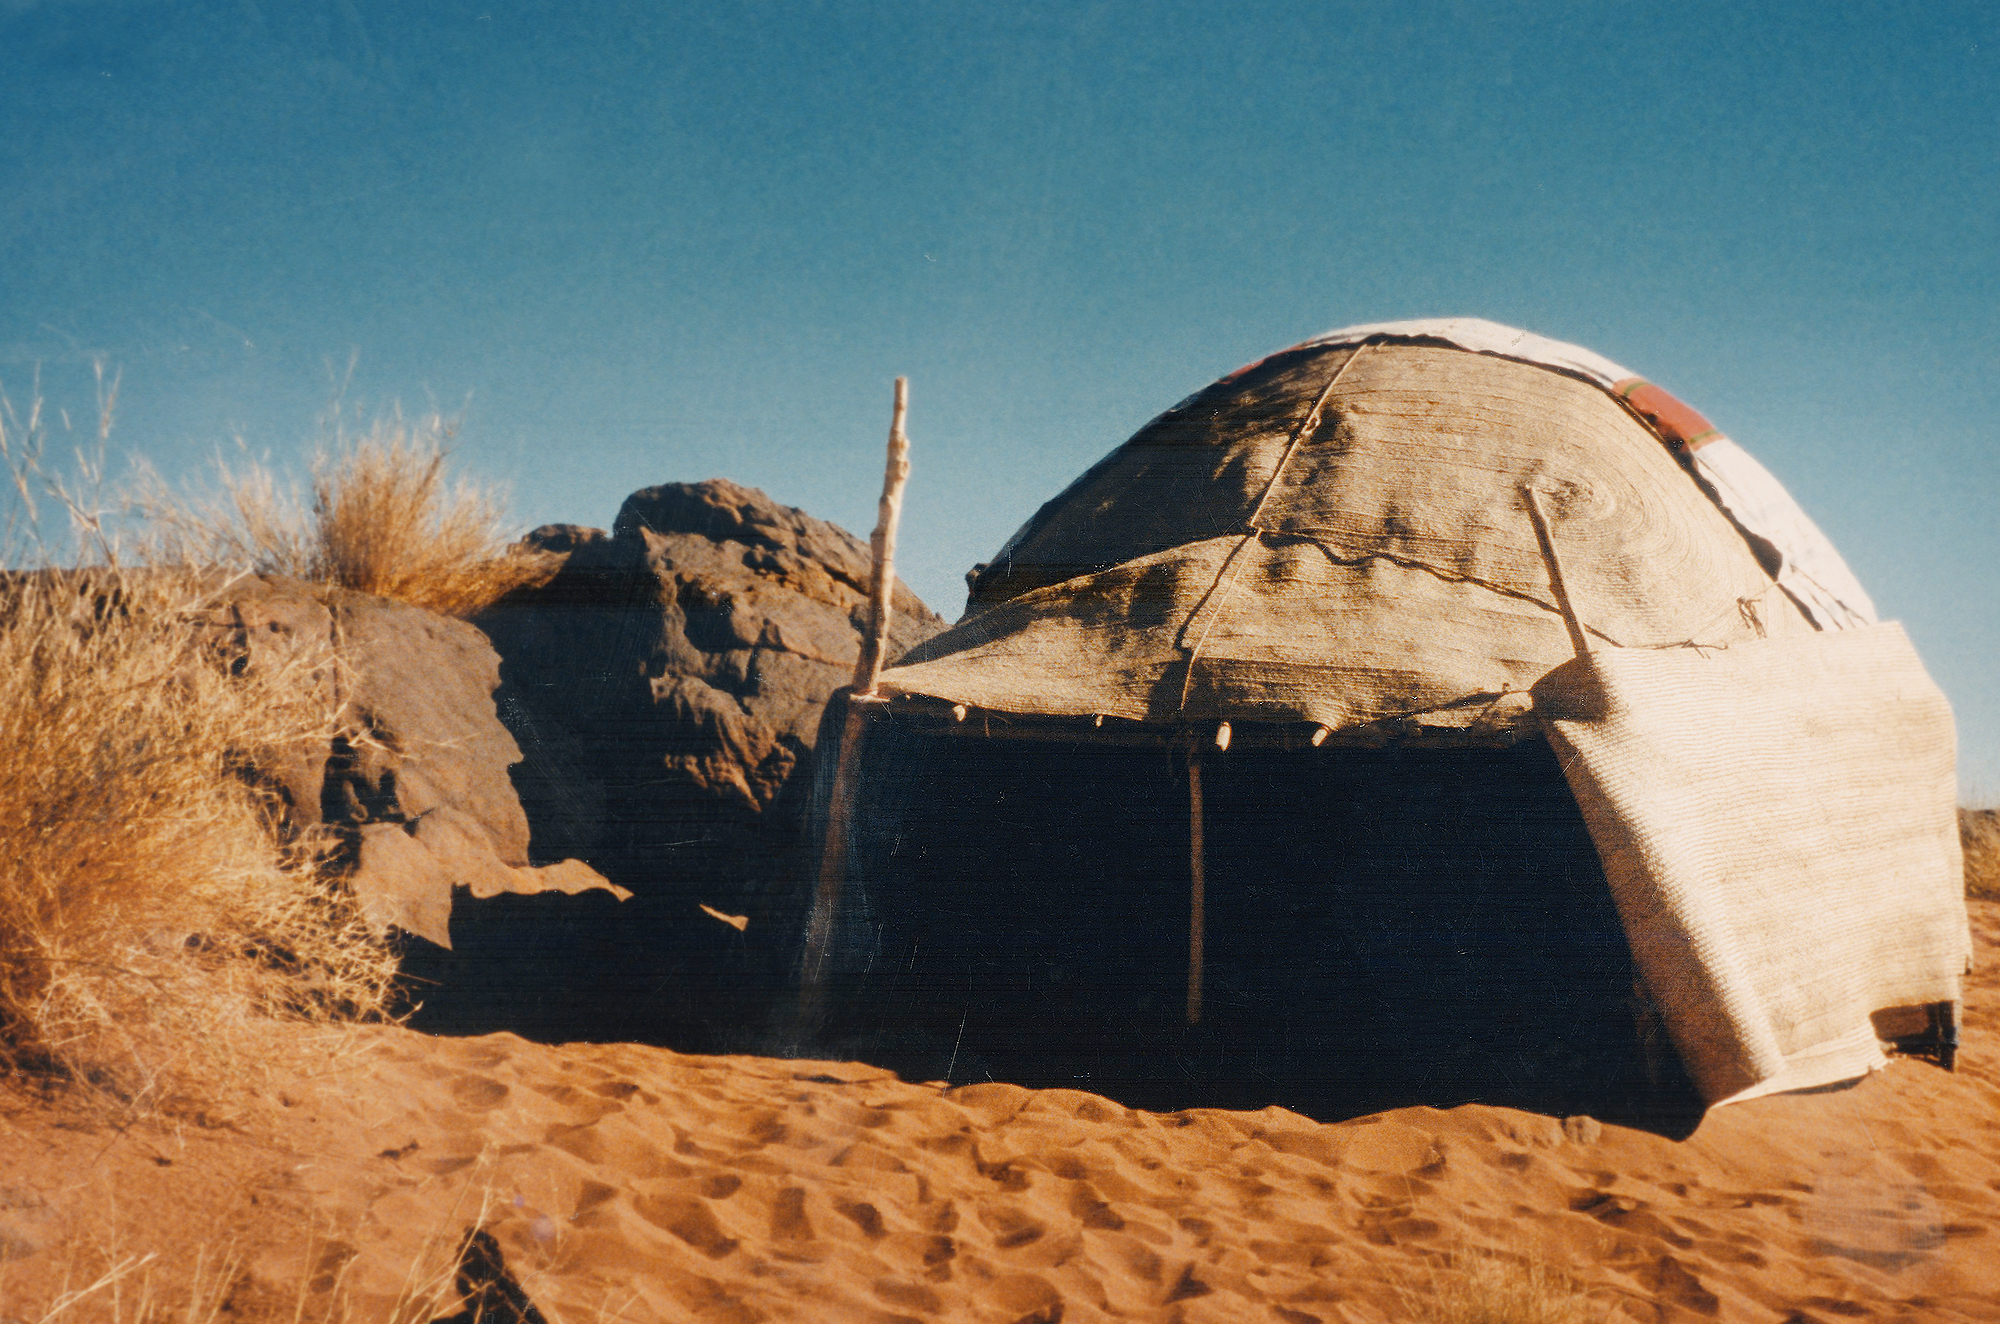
<point>1338,536</point>
<point>1777,822</point>
<point>1808,568</point>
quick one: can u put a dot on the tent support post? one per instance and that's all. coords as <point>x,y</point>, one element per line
<point>882,583</point>
<point>833,851</point>
<point>862,696</point>
<point>1197,891</point>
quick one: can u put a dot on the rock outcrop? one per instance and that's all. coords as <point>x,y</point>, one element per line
<point>665,686</point>
<point>410,775</point>
<point>668,681</point>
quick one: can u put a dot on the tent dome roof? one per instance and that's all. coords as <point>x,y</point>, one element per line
<point>1339,534</point>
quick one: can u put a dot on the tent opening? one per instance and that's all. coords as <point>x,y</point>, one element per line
<point>1382,927</point>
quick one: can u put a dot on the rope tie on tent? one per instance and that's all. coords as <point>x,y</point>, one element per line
<point>1225,579</point>
<point>1304,430</point>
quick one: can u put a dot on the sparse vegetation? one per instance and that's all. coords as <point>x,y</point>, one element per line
<point>147,906</point>
<point>1979,835</point>
<point>105,1285</point>
<point>152,917</point>
<point>94,1271</point>
<point>383,516</point>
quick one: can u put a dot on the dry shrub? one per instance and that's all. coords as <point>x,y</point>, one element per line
<point>383,517</point>
<point>103,1283</point>
<point>150,918</point>
<point>1484,1287</point>
<point>1979,834</point>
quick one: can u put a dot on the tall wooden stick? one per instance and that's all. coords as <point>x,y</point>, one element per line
<point>867,675</point>
<point>882,585</point>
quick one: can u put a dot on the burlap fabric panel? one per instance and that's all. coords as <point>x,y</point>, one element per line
<point>1777,823</point>
<point>1374,569</point>
<point>1196,472</point>
<point>1104,644</point>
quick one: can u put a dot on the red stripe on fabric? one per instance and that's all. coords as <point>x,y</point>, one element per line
<point>1677,423</point>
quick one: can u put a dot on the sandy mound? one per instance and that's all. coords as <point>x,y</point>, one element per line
<point>621,1182</point>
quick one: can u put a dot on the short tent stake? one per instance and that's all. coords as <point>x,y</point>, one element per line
<point>861,697</point>
<point>1197,891</point>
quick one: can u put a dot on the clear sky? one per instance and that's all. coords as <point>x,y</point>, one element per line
<point>632,243</point>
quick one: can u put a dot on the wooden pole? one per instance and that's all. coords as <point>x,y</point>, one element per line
<point>1197,891</point>
<point>862,695</point>
<point>882,584</point>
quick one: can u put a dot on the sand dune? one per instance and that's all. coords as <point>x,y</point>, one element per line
<point>632,1183</point>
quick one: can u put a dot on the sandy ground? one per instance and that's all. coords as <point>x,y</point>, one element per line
<point>628,1183</point>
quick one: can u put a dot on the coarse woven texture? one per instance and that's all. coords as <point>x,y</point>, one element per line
<point>1338,536</point>
<point>1807,566</point>
<point>1777,822</point>
<point>1483,337</point>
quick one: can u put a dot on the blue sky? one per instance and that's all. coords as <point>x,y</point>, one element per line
<point>634,243</point>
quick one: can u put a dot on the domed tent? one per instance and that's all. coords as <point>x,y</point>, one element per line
<point>1274,692</point>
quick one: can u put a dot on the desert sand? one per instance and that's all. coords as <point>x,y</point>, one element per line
<point>630,1183</point>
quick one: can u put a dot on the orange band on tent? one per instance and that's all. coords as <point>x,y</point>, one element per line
<point>1677,424</point>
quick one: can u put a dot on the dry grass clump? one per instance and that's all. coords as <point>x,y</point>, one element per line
<point>383,517</point>
<point>103,1284</point>
<point>1979,835</point>
<point>1488,1288</point>
<point>452,1273</point>
<point>148,910</point>
<point>116,1288</point>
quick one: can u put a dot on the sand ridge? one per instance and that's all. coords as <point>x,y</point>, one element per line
<point>634,1183</point>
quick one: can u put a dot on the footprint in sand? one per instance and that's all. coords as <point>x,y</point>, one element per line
<point>1010,1227</point>
<point>1028,1298</point>
<point>788,1216</point>
<point>689,1219</point>
<point>478,1094</point>
<point>864,1216</point>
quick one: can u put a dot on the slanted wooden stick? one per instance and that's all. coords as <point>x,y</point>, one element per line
<point>1577,640</point>
<point>867,675</point>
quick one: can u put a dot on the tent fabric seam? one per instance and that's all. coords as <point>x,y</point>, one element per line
<point>1308,424</point>
<point>1334,554</point>
<point>1232,568</point>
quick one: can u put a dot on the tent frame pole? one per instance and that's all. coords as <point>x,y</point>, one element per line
<point>1197,890</point>
<point>862,698</point>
